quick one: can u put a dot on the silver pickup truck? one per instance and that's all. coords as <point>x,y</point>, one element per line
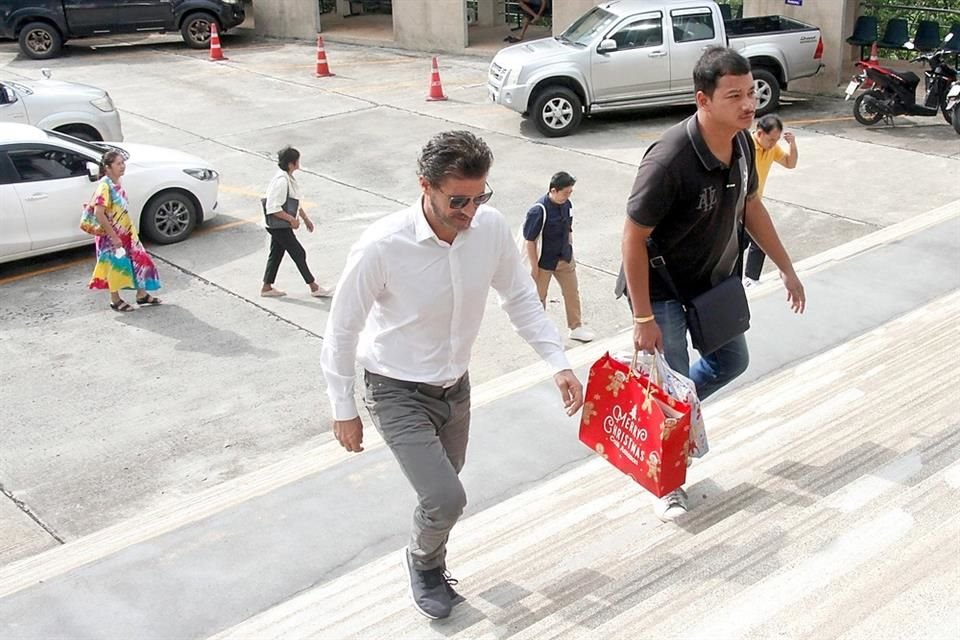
<point>627,54</point>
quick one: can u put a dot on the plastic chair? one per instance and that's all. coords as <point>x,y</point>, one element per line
<point>954,45</point>
<point>895,35</point>
<point>928,36</point>
<point>864,32</point>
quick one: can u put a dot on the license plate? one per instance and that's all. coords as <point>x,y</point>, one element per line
<point>852,88</point>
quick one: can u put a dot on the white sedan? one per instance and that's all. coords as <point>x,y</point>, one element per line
<point>46,177</point>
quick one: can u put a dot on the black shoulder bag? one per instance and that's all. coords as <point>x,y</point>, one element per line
<point>717,316</point>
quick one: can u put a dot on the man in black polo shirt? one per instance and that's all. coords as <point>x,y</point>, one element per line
<point>687,198</point>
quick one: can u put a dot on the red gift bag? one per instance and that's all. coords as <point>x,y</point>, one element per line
<point>636,426</point>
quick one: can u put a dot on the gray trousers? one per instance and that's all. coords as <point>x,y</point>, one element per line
<point>426,428</point>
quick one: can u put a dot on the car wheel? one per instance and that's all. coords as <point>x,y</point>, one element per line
<point>81,132</point>
<point>863,113</point>
<point>557,111</point>
<point>40,41</point>
<point>169,217</point>
<point>767,89</point>
<point>196,30</point>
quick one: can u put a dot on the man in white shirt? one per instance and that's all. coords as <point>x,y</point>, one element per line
<point>408,308</point>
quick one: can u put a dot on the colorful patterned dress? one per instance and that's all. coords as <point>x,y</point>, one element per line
<point>133,271</point>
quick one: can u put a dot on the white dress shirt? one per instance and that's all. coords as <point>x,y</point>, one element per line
<point>409,305</point>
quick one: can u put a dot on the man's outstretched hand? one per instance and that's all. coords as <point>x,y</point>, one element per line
<point>571,391</point>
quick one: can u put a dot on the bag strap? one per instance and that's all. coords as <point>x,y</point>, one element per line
<point>543,221</point>
<point>659,266</point>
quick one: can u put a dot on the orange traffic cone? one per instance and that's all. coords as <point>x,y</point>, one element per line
<point>873,53</point>
<point>216,53</point>
<point>436,89</point>
<point>323,69</point>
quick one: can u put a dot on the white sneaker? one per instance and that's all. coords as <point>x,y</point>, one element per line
<point>272,293</point>
<point>582,334</point>
<point>671,506</point>
<point>749,282</point>
<point>322,292</point>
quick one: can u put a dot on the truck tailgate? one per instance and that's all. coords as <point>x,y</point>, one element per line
<point>790,42</point>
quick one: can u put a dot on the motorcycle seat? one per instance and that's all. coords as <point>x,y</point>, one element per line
<point>909,78</point>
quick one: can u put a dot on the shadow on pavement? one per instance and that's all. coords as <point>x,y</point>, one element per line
<point>192,334</point>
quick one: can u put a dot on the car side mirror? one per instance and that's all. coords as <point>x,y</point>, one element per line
<point>93,171</point>
<point>607,45</point>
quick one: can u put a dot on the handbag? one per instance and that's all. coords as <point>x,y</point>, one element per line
<point>636,426</point>
<point>89,222</point>
<point>716,316</point>
<point>270,222</point>
<point>88,218</point>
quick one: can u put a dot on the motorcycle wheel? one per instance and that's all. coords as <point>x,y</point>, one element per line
<point>956,119</point>
<point>863,115</point>
<point>943,107</point>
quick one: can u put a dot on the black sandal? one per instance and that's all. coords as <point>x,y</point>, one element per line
<point>121,306</point>
<point>148,299</point>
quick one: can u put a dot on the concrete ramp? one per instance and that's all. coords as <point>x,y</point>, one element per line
<point>828,508</point>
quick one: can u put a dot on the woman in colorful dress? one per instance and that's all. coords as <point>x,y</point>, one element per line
<point>122,262</point>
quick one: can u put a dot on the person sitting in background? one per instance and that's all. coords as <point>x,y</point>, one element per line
<point>533,10</point>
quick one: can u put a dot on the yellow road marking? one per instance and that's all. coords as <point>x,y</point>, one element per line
<point>229,225</point>
<point>249,193</point>
<point>38,272</point>
<point>818,120</point>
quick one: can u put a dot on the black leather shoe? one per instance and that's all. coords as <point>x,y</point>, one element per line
<point>428,590</point>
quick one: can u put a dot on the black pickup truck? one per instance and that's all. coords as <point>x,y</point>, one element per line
<point>42,26</point>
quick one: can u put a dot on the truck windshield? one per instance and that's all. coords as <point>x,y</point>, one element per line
<point>585,29</point>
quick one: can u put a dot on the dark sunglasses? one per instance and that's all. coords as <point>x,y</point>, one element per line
<point>459,202</point>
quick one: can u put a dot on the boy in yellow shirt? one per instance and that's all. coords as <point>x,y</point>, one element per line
<point>766,139</point>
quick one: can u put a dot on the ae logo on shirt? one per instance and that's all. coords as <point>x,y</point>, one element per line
<point>708,199</point>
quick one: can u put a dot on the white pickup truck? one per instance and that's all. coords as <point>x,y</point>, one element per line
<point>628,54</point>
<point>78,110</point>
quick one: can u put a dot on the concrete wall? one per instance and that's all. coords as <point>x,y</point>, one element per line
<point>430,25</point>
<point>835,19</point>
<point>287,18</point>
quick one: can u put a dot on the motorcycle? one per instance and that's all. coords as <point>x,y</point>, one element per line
<point>890,93</point>
<point>953,105</point>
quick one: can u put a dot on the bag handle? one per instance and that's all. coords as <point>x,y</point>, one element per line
<point>654,369</point>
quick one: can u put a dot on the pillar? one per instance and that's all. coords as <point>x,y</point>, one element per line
<point>439,25</point>
<point>489,12</point>
<point>286,19</point>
